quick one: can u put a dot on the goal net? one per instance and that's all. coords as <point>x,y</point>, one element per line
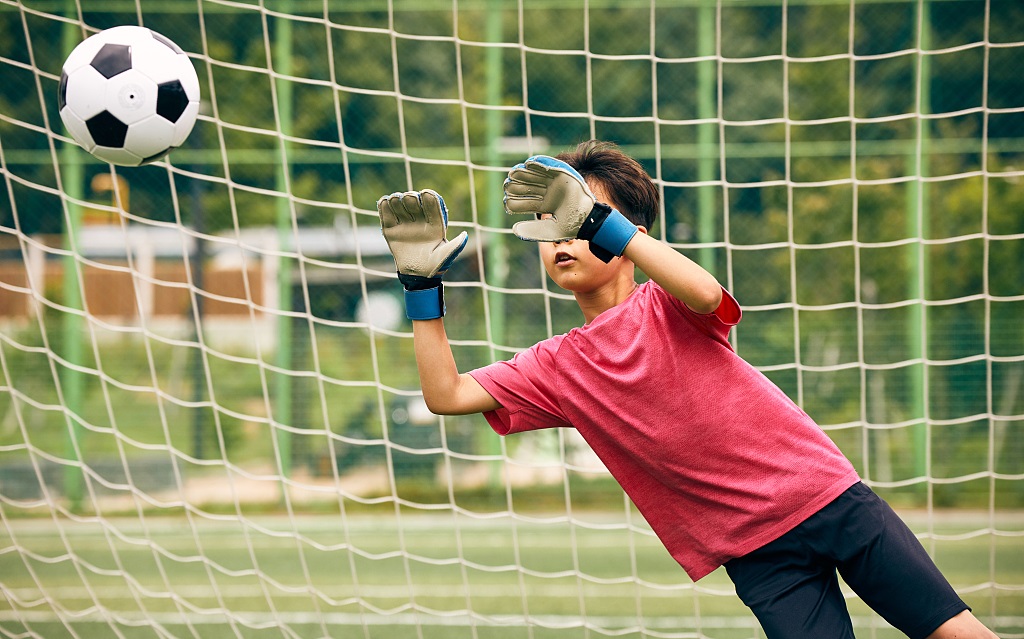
<point>210,422</point>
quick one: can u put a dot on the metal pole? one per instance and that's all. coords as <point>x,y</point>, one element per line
<point>71,381</point>
<point>917,256</point>
<point>706,133</point>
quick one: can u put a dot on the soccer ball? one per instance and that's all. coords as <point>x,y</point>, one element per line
<point>128,95</point>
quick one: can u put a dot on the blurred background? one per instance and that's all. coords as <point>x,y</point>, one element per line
<point>219,336</point>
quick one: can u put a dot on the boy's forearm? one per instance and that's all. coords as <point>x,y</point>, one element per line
<point>676,273</point>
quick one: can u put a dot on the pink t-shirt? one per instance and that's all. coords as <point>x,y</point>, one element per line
<point>716,457</point>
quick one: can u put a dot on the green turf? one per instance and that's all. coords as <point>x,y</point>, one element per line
<point>417,576</point>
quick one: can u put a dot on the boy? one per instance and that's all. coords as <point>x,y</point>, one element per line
<point>723,466</point>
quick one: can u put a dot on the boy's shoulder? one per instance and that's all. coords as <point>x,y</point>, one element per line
<point>544,353</point>
<point>651,307</point>
<point>727,314</point>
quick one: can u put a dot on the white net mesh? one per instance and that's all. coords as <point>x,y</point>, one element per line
<point>209,416</point>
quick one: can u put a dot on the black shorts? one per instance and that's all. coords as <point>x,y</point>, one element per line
<point>790,584</point>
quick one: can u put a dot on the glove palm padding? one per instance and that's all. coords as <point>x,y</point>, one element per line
<point>415,224</point>
<point>543,185</point>
<point>565,206</point>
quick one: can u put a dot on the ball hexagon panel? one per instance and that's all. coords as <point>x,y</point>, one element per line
<point>106,130</point>
<point>171,100</point>
<point>150,137</point>
<point>112,59</point>
<point>171,67</point>
<point>131,96</point>
<point>85,94</point>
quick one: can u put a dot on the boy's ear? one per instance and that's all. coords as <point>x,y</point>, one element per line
<point>642,229</point>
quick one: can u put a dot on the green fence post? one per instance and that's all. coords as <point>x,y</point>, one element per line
<point>706,151</point>
<point>71,381</point>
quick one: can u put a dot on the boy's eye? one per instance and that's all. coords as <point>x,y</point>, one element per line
<point>544,216</point>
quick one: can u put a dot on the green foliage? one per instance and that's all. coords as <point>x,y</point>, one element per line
<point>858,234</point>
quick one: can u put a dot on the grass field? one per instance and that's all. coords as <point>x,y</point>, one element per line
<point>419,576</point>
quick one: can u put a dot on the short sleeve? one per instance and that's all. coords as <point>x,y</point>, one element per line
<point>526,389</point>
<point>718,322</point>
<point>728,311</point>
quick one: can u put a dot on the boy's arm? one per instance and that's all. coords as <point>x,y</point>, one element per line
<point>683,278</point>
<point>415,225</point>
<point>445,391</point>
<point>546,185</point>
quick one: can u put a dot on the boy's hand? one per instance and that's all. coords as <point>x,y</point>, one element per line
<point>415,225</point>
<point>543,185</point>
<point>560,197</point>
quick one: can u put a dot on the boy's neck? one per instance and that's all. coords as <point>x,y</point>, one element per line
<point>593,303</point>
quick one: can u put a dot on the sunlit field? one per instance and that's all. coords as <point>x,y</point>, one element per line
<point>418,576</point>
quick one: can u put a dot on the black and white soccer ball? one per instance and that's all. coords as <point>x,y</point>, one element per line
<point>128,95</point>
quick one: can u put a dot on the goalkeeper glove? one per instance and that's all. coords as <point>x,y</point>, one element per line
<point>415,225</point>
<point>544,185</point>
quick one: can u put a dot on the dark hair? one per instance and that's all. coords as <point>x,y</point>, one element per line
<point>622,177</point>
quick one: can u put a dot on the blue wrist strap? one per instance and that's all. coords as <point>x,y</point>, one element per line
<point>426,304</point>
<point>614,233</point>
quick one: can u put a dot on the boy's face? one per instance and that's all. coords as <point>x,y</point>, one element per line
<point>572,266</point>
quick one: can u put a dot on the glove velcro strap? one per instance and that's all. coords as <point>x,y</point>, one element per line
<point>608,232</point>
<point>425,304</point>
<point>424,296</point>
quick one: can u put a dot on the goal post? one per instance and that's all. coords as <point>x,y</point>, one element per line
<point>210,422</point>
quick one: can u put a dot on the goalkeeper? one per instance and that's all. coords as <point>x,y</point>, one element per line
<point>724,467</point>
